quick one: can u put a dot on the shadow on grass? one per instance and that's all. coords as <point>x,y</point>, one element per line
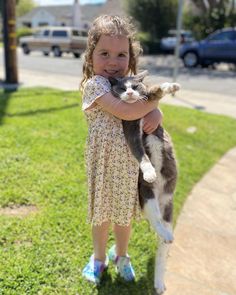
<point>142,286</point>
<point>4,100</point>
<point>42,111</point>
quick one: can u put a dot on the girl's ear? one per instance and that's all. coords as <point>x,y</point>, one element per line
<point>139,77</point>
<point>113,81</point>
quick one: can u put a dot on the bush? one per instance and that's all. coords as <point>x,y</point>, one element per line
<point>24,31</point>
<point>149,45</point>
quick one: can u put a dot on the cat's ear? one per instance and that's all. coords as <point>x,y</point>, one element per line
<point>113,81</point>
<point>140,76</point>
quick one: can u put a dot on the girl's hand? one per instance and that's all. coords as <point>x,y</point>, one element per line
<point>152,120</point>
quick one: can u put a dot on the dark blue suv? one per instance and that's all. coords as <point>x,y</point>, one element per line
<point>219,46</point>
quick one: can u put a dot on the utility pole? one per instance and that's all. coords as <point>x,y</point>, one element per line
<point>9,31</point>
<point>178,29</point>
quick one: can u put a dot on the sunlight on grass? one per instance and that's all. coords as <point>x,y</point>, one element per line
<point>42,141</point>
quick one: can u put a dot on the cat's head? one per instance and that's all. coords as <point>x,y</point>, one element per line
<point>130,89</point>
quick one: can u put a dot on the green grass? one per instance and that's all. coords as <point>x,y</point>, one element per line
<point>42,140</point>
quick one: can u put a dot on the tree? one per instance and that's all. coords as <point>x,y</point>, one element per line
<point>153,16</point>
<point>24,6</point>
<point>1,5</point>
<point>213,15</point>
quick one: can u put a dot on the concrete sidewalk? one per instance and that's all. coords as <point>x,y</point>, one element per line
<point>203,256</point>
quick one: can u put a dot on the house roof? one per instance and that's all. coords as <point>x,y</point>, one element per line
<point>88,11</point>
<point>114,7</point>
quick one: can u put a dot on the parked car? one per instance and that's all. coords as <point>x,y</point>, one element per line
<point>168,43</point>
<point>58,40</point>
<point>219,46</point>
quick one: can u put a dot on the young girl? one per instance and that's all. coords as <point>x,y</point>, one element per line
<point>111,168</point>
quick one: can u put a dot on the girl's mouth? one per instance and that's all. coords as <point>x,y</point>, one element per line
<point>111,72</point>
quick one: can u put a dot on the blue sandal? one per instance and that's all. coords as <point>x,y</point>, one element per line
<point>94,270</point>
<point>123,265</point>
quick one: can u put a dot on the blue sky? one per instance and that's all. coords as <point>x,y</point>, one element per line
<point>65,2</point>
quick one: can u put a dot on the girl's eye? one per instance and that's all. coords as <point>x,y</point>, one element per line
<point>104,54</point>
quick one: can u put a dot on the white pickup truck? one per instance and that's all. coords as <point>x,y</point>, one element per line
<point>57,40</point>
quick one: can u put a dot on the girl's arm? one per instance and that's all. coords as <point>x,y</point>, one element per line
<point>123,110</point>
<point>152,120</point>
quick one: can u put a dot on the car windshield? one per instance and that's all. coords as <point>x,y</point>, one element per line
<point>223,36</point>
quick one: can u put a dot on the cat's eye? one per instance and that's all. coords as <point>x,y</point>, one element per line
<point>134,87</point>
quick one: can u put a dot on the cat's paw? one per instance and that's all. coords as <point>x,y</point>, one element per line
<point>170,88</point>
<point>150,175</point>
<point>165,234</point>
<point>160,288</point>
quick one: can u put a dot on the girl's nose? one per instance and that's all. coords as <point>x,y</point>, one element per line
<point>113,61</point>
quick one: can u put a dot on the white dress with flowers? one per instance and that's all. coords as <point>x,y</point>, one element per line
<point>111,168</point>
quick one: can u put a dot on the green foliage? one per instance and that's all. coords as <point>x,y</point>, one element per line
<point>23,32</point>
<point>24,6</point>
<point>153,16</point>
<point>42,140</point>
<point>217,16</point>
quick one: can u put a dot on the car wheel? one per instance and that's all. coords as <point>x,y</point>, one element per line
<point>25,49</point>
<point>190,59</point>
<point>56,51</point>
<point>45,53</point>
<point>76,55</point>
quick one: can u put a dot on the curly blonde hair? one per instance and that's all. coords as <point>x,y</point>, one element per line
<point>112,25</point>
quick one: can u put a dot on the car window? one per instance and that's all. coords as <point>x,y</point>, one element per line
<point>59,33</point>
<point>38,34</point>
<point>223,36</point>
<point>46,33</point>
<point>77,33</point>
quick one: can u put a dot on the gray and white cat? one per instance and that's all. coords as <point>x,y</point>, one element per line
<point>158,171</point>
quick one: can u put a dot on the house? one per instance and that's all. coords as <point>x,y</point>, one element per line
<point>63,15</point>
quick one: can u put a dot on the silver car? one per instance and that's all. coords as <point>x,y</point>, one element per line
<point>57,40</point>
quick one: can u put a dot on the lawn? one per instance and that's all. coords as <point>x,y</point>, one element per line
<point>42,140</point>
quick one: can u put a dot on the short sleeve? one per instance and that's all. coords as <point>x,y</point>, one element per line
<point>94,88</point>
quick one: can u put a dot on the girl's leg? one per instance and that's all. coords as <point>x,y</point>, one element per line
<point>122,236</point>
<point>118,253</point>
<point>100,237</point>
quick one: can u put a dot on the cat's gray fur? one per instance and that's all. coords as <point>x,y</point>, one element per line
<point>158,171</point>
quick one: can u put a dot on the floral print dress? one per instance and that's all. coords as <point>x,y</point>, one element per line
<point>112,170</point>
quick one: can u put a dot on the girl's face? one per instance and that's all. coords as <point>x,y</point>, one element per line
<point>111,56</point>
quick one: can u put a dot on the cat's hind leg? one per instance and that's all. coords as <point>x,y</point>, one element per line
<point>163,248</point>
<point>160,264</point>
<point>152,213</point>
<point>148,199</point>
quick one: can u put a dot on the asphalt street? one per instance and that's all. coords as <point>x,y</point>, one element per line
<point>160,67</point>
